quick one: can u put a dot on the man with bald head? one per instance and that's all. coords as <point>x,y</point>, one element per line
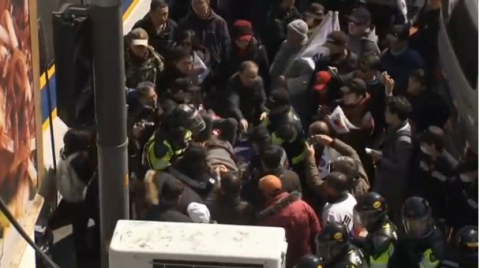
<point>325,150</point>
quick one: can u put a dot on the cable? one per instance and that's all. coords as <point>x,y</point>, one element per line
<point>4,209</point>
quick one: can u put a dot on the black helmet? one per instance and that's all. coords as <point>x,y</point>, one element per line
<point>417,217</point>
<point>186,117</point>
<point>370,210</point>
<point>466,241</point>
<point>332,241</point>
<point>309,261</point>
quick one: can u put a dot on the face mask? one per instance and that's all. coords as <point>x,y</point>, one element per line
<point>465,178</point>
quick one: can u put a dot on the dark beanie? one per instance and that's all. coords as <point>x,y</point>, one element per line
<point>241,28</point>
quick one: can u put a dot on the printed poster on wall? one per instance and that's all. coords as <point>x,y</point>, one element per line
<point>18,118</point>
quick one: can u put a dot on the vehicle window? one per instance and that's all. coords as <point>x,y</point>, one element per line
<point>463,35</point>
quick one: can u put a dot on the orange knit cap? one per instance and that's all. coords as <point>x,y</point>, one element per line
<point>270,184</point>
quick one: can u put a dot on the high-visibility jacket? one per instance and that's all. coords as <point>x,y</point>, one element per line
<point>159,163</point>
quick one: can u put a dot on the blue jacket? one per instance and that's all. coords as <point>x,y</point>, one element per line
<point>399,67</point>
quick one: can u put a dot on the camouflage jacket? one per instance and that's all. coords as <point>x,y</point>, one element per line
<point>137,71</point>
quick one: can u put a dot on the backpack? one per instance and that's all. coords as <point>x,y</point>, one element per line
<point>69,184</point>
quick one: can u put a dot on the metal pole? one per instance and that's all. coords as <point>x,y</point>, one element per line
<point>111,116</point>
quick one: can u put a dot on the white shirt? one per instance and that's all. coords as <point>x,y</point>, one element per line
<point>341,212</point>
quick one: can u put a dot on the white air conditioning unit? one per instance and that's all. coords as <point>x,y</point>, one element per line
<point>148,244</point>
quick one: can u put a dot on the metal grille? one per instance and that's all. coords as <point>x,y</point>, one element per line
<point>199,264</point>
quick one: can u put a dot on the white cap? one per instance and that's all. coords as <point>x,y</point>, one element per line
<point>198,213</point>
<point>140,42</point>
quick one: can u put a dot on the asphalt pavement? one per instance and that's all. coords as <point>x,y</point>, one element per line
<point>63,252</point>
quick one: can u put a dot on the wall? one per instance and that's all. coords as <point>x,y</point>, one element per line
<point>133,10</point>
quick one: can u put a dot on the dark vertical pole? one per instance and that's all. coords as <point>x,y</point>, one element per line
<point>111,116</point>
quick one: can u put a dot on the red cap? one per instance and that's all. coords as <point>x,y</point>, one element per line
<point>321,80</point>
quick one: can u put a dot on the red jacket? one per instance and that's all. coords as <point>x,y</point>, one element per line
<point>299,221</point>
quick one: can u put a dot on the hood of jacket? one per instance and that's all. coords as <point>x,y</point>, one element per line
<point>282,201</point>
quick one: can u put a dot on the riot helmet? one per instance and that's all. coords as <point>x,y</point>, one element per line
<point>370,210</point>
<point>466,242</point>
<point>186,117</point>
<point>278,102</point>
<point>309,261</point>
<point>332,241</point>
<point>417,218</point>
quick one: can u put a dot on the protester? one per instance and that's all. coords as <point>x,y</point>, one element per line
<point>289,211</point>
<point>399,61</point>
<point>246,46</point>
<point>362,37</point>
<point>245,96</point>
<point>160,28</point>
<point>178,65</point>
<point>340,204</point>
<point>369,70</point>
<point>169,199</point>
<point>432,167</point>
<point>276,25</point>
<point>338,56</point>
<point>328,152</point>
<point>190,43</point>
<point>210,28</point>
<point>227,206</point>
<point>393,162</point>
<point>142,62</point>
<point>296,38</point>
<point>80,163</point>
<point>290,124</point>
<point>428,107</point>
<point>313,16</point>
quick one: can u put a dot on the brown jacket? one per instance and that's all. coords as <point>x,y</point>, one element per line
<point>315,181</point>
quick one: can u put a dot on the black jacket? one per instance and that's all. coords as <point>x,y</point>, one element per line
<point>275,30</point>
<point>429,179</point>
<point>188,195</point>
<point>245,102</point>
<point>212,33</point>
<point>159,213</point>
<point>428,109</point>
<point>254,52</point>
<point>162,42</point>
<point>461,204</point>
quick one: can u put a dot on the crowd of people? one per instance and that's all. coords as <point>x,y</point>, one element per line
<point>215,136</point>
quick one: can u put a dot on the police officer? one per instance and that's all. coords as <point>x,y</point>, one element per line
<point>171,139</point>
<point>335,249</point>
<point>466,242</point>
<point>379,244</point>
<point>465,249</point>
<point>286,128</point>
<point>425,243</point>
<point>309,261</point>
